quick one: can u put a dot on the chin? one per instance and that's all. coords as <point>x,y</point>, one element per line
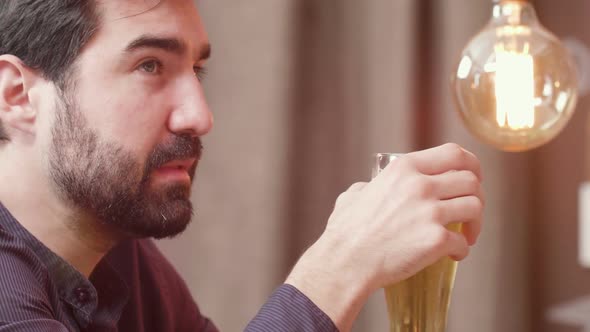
<point>169,219</point>
<point>161,214</point>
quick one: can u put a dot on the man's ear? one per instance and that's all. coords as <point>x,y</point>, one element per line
<point>17,113</point>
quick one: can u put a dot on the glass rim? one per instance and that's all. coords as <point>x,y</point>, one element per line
<point>382,159</point>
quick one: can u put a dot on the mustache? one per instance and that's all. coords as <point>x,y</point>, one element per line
<point>180,147</point>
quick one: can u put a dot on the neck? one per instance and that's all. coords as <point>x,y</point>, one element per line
<point>75,236</point>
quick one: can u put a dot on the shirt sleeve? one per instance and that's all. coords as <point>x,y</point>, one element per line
<point>289,310</point>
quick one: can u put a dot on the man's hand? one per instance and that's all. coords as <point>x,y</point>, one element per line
<point>387,230</point>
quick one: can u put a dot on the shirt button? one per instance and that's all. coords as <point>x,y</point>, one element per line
<point>82,294</point>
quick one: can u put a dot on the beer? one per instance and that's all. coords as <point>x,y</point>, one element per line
<point>420,303</point>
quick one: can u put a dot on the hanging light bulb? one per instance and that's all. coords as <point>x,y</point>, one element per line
<point>515,85</point>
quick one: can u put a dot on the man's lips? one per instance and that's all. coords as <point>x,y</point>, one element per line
<point>183,164</point>
<point>176,170</point>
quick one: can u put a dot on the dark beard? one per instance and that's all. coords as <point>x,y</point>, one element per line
<point>104,180</point>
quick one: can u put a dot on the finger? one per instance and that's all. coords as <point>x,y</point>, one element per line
<point>472,229</point>
<point>444,158</point>
<point>458,247</point>
<point>346,198</point>
<point>455,184</point>
<point>465,209</point>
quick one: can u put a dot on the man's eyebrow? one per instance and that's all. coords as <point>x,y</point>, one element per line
<point>172,45</point>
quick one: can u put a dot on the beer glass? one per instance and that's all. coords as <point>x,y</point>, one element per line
<point>421,302</point>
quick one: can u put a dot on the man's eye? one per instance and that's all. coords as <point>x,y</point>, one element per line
<point>200,72</point>
<point>151,67</point>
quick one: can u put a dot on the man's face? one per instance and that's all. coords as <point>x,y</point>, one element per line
<point>125,137</point>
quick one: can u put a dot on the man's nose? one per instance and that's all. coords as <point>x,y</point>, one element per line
<point>191,114</point>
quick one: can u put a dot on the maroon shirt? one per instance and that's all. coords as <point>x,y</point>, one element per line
<point>133,289</point>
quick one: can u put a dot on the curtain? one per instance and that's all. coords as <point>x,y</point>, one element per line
<point>304,92</point>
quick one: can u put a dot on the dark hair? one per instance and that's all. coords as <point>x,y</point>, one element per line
<point>47,35</point>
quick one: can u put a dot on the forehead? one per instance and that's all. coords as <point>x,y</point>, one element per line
<point>124,20</point>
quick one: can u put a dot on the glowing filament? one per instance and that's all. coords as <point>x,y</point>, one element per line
<point>514,88</point>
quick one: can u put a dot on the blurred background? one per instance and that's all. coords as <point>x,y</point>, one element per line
<point>305,91</point>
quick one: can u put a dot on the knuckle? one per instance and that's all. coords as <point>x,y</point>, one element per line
<point>472,182</point>
<point>421,186</point>
<point>342,198</point>
<point>456,152</point>
<point>476,205</point>
<point>454,149</point>
<point>479,206</point>
<point>356,186</point>
<point>404,163</point>
<point>435,213</point>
